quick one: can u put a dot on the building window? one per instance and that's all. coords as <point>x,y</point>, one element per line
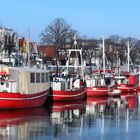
<point>32,77</point>
<point>37,77</point>
<point>43,77</point>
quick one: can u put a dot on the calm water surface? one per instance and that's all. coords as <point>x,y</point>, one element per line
<point>92,119</point>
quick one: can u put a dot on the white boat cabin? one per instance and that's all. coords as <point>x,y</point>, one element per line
<point>99,80</point>
<point>129,79</point>
<point>65,82</point>
<point>23,80</point>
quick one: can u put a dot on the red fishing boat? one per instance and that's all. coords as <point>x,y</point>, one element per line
<point>128,82</point>
<point>99,85</point>
<point>138,88</point>
<point>100,82</point>
<point>65,90</point>
<point>23,87</point>
<point>69,84</point>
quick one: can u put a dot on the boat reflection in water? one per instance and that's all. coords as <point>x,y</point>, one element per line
<point>23,124</point>
<point>108,118</point>
<point>67,118</point>
<point>131,100</point>
<point>96,118</point>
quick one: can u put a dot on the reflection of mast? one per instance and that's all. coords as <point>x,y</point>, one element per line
<point>102,123</point>
<point>82,122</point>
<point>127,120</point>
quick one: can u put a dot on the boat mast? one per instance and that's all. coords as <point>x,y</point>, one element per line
<point>77,63</point>
<point>103,55</point>
<point>128,57</point>
<point>28,49</point>
<point>119,66</point>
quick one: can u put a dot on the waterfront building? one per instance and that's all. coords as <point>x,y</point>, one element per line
<point>8,45</point>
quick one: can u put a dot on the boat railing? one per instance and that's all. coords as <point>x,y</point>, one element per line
<point>9,80</point>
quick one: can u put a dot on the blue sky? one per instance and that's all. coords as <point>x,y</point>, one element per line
<point>92,18</point>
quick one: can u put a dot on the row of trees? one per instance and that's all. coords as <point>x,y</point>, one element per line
<point>59,33</point>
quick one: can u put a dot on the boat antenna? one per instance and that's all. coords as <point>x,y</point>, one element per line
<point>75,42</point>
<point>28,49</point>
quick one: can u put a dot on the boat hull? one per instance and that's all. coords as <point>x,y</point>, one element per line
<point>20,101</point>
<point>127,88</point>
<point>99,91</point>
<point>69,95</point>
<point>138,88</point>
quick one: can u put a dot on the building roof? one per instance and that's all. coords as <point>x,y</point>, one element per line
<point>48,51</point>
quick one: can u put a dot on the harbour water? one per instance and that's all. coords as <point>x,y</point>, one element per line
<point>92,119</point>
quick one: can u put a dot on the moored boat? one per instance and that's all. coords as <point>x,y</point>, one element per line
<point>99,85</point>
<point>67,88</point>
<point>23,87</point>
<point>69,84</point>
<point>101,81</point>
<point>138,88</point>
<point>128,82</point>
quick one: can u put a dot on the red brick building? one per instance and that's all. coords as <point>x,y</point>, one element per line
<point>47,53</point>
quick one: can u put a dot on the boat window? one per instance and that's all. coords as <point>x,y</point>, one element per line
<point>7,85</point>
<point>37,77</point>
<point>43,77</point>
<point>47,78</point>
<point>32,77</point>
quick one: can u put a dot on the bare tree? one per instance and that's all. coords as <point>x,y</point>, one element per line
<point>115,38</point>
<point>116,48</point>
<point>57,33</point>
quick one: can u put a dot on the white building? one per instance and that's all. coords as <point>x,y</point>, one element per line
<point>8,41</point>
